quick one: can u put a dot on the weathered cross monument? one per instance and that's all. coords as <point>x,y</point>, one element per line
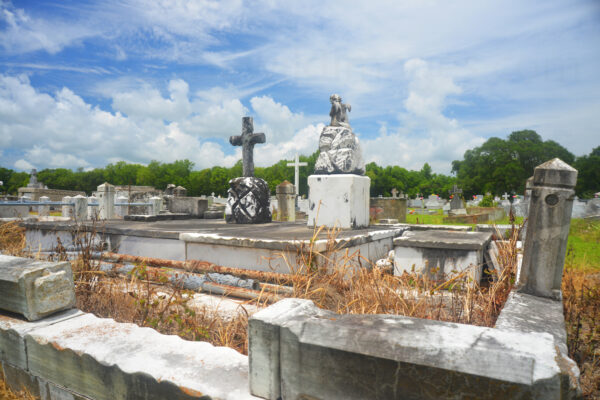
<point>456,202</point>
<point>248,196</point>
<point>297,164</point>
<point>339,191</point>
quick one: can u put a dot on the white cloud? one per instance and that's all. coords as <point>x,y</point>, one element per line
<point>24,165</point>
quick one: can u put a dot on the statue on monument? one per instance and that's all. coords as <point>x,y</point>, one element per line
<point>340,151</point>
<point>338,112</point>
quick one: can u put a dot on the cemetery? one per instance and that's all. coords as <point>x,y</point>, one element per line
<point>342,300</point>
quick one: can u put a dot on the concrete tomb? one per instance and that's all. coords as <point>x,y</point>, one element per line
<point>439,254</point>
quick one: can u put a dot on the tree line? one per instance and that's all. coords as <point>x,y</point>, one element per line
<point>497,166</point>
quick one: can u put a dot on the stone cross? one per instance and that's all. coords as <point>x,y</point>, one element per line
<point>297,164</point>
<point>505,196</point>
<point>247,140</point>
<point>455,190</point>
<point>394,192</point>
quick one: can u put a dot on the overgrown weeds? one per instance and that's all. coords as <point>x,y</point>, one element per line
<point>12,238</point>
<point>581,301</point>
<point>7,393</point>
<point>348,283</point>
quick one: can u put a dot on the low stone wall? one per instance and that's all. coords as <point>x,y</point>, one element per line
<point>388,208</point>
<point>495,213</point>
<point>75,355</point>
<point>53,194</point>
<point>300,351</point>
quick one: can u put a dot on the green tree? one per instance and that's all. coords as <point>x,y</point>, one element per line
<point>588,177</point>
<point>500,166</point>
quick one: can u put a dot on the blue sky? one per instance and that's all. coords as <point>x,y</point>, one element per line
<point>83,84</point>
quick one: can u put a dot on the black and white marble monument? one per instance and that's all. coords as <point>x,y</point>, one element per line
<point>338,190</point>
<point>248,196</point>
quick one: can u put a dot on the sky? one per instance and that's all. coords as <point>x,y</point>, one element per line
<point>84,83</point>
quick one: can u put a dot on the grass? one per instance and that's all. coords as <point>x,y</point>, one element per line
<point>583,247</point>
<point>438,219</point>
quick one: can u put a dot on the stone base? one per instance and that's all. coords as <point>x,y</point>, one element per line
<point>248,201</point>
<point>339,200</point>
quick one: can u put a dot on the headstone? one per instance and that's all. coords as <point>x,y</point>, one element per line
<point>248,196</point>
<point>394,193</point>
<point>340,151</point>
<point>106,201</point>
<point>433,202</point>
<point>35,289</point>
<point>297,164</point>
<point>170,189</point>
<point>456,202</point>
<point>286,201</point>
<point>338,191</point>
<point>547,229</point>
<point>44,210</point>
<point>180,191</point>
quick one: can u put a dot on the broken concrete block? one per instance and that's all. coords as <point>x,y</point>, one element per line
<point>35,289</point>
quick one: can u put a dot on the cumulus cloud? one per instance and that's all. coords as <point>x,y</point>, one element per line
<point>425,133</point>
<point>61,130</point>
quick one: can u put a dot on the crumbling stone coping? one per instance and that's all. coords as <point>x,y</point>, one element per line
<point>423,227</point>
<point>273,244</point>
<point>78,353</point>
<point>440,239</point>
<point>100,229</point>
<point>35,289</point>
<point>300,351</point>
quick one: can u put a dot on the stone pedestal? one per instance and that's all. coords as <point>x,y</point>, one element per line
<point>547,229</point>
<point>339,200</point>
<point>92,209</point>
<point>44,211</point>
<point>106,201</point>
<point>121,207</point>
<point>156,205</point>
<point>248,201</point>
<point>80,207</point>
<point>286,202</point>
<point>67,210</point>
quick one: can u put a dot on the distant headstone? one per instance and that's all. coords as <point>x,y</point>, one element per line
<point>286,202</point>
<point>297,164</point>
<point>33,181</point>
<point>456,202</point>
<point>394,192</point>
<point>180,191</point>
<point>248,196</point>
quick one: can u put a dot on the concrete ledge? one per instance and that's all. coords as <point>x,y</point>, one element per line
<point>160,217</point>
<point>102,359</point>
<point>324,355</point>
<point>439,239</point>
<point>273,244</point>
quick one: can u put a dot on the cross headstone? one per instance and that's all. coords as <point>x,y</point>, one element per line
<point>297,164</point>
<point>505,196</point>
<point>247,140</point>
<point>456,202</point>
<point>394,192</point>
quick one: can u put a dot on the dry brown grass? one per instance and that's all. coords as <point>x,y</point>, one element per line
<point>332,280</point>
<point>12,238</point>
<point>581,301</point>
<point>7,394</point>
